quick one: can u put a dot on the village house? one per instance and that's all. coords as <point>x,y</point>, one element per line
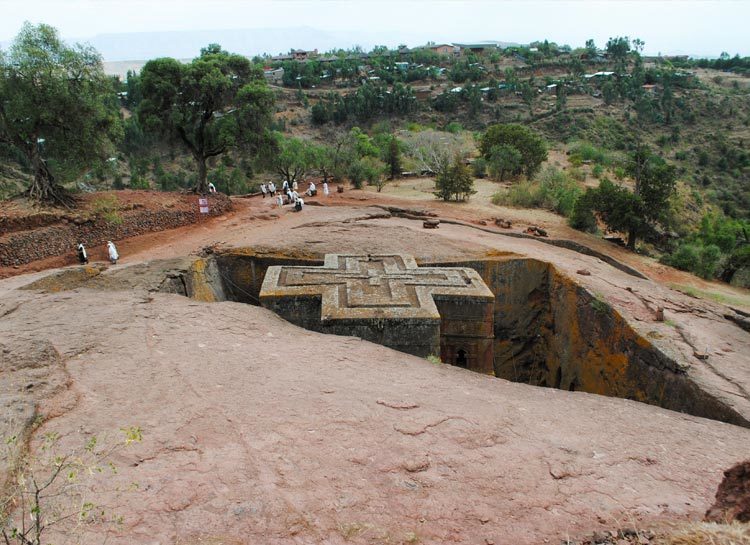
<point>479,48</point>
<point>274,76</point>
<point>441,49</point>
<point>296,55</point>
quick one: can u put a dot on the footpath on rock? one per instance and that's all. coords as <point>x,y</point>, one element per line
<point>255,430</point>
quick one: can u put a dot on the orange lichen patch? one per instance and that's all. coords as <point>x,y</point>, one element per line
<point>68,279</point>
<point>201,288</point>
<point>501,253</point>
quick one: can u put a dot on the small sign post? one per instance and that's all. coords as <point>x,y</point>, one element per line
<point>203,205</point>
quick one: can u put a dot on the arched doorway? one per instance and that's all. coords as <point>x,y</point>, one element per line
<point>462,358</point>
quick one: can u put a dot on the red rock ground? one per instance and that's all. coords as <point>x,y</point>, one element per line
<point>256,431</point>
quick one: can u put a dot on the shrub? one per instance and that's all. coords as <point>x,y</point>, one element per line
<point>554,190</point>
<point>588,152</point>
<point>454,127</point>
<point>582,217</point>
<point>479,167</point>
<point>108,208</point>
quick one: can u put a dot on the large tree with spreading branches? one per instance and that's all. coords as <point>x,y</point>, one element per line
<point>58,109</point>
<point>216,103</point>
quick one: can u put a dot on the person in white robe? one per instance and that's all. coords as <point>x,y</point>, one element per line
<point>311,190</point>
<point>263,189</point>
<point>112,251</point>
<point>325,189</point>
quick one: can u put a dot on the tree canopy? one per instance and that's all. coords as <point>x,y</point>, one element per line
<point>455,181</point>
<point>217,102</point>
<point>528,143</point>
<point>640,211</point>
<point>57,107</point>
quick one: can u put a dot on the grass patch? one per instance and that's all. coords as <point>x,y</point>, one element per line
<point>432,358</point>
<point>711,296</point>
<point>708,533</point>
<point>599,305</point>
<point>554,190</point>
<point>108,208</point>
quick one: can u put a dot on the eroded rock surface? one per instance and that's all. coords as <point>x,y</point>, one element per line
<point>258,431</point>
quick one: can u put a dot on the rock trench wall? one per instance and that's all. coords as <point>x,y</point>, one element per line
<point>548,331</point>
<point>18,248</point>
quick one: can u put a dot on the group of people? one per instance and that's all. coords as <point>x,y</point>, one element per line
<point>83,256</point>
<point>288,193</point>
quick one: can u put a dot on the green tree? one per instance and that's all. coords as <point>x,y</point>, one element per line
<point>609,92</point>
<point>373,171</point>
<point>591,50</point>
<point>618,48</point>
<point>393,158</point>
<point>217,102</point>
<point>529,94</point>
<point>57,108</point>
<point>639,211</point>
<point>322,159</point>
<point>504,159</point>
<point>529,144</point>
<point>293,157</point>
<point>455,182</point>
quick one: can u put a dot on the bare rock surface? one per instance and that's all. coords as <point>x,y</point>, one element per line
<point>257,431</point>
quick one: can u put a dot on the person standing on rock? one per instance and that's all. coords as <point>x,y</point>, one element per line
<point>112,251</point>
<point>294,185</point>
<point>325,189</point>
<point>83,257</point>
<point>272,189</point>
<point>263,189</point>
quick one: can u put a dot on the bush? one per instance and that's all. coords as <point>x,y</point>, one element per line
<point>479,167</point>
<point>108,208</point>
<point>554,190</point>
<point>530,145</point>
<point>559,191</point>
<point>582,217</point>
<point>588,152</point>
<point>696,258</point>
<point>454,127</point>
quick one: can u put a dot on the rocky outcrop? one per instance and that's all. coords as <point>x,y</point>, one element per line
<point>733,496</point>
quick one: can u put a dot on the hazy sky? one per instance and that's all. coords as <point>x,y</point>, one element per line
<point>695,27</point>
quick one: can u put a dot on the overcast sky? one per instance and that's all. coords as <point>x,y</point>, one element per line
<point>677,27</point>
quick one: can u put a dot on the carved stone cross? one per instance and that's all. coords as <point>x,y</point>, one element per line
<point>388,299</point>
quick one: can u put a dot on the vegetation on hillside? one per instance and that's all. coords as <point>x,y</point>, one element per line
<point>655,148</point>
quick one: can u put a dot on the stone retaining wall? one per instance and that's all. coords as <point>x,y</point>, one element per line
<point>26,246</point>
